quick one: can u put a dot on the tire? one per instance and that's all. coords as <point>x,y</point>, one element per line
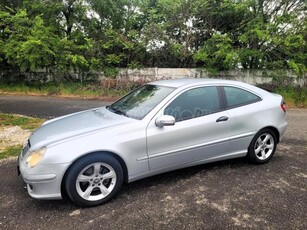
<point>94,179</point>
<point>262,147</point>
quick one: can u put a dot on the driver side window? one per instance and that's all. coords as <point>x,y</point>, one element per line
<point>194,103</point>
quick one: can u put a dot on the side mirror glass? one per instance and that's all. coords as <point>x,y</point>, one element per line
<point>165,120</point>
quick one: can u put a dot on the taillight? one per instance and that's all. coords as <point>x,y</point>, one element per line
<point>283,105</point>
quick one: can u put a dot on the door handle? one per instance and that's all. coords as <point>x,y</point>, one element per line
<point>223,118</point>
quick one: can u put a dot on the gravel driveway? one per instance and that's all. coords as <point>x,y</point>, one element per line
<point>226,195</point>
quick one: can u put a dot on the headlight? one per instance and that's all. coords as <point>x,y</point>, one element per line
<point>35,157</point>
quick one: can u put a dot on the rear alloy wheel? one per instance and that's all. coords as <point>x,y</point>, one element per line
<point>94,180</point>
<point>262,147</point>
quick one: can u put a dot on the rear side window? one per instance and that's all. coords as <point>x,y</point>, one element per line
<point>238,97</point>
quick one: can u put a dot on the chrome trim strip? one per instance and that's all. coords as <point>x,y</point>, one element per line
<point>227,155</point>
<point>242,136</point>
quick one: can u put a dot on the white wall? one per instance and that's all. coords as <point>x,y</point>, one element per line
<point>248,76</point>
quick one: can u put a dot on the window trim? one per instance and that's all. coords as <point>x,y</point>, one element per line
<point>239,105</point>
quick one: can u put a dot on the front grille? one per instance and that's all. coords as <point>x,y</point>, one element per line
<point>26,148</point>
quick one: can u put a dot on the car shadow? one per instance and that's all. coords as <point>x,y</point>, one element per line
<point>166,179</point>
<point>182,174</point>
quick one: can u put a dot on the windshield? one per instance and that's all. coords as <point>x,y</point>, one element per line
<point>141,101</point>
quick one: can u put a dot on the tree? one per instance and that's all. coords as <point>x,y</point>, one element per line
<point>261,34</point>
<point>86,36</point>
<point>263,39</point>
<point>218,53</point>
<point>31,45</point>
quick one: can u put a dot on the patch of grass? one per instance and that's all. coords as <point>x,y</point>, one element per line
<point>294,96</point>
<point>12,151</point>
<point>22,121</point>
<point>93,90</point>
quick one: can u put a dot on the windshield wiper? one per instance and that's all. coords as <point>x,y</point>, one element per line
<point>117,111</point>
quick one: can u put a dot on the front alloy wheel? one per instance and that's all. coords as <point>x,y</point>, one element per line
<point>94,179</point>
<point>262,147</point>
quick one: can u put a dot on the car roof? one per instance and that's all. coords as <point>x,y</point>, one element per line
<point>177,83</point>
<point>191,82</point>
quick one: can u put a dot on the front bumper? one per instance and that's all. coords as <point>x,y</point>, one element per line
<point>43,181</point>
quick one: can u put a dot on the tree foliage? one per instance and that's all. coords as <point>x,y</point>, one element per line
<point>101,35</point>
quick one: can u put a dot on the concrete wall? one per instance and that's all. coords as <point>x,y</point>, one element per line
<point>277,77</point>
<point>248,76</point>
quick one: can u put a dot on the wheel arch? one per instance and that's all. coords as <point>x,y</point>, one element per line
<point>275,130</point>
<point>251,155</point>
<point>116,156</point>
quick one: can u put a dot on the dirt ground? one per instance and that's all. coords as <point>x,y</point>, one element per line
<point>225,195</point>
<point>12,136</point>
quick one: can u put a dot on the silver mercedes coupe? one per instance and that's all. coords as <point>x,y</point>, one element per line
<point>159,127</point>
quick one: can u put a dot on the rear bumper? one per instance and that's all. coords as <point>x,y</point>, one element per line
<point>281,130</point>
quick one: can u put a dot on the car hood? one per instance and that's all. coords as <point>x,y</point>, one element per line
<point>76,124</point>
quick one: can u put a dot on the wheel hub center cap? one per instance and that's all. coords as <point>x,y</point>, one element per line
<point>96,180</point>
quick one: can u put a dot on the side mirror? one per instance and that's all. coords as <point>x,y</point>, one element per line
<point>165,120</point>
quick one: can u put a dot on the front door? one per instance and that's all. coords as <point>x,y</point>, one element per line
<point>201,130</point>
